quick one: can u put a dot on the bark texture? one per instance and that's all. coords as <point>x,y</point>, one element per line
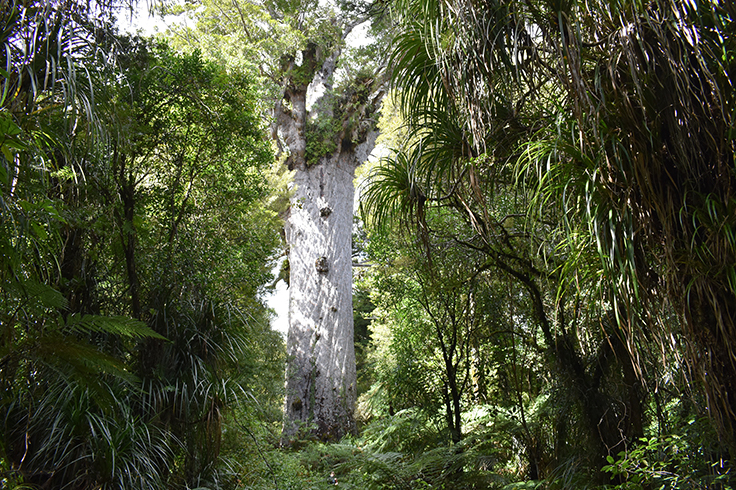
<point>320,375</point>
<point>321,367</point>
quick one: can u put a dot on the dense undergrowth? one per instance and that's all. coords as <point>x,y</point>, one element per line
<point>408,450</point>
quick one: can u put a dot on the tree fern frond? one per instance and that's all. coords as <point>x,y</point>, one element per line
<point>79,360</point>
<point>115,325</point>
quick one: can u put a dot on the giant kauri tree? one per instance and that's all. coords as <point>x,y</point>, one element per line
<point>324,96</point>
<point>325,146</point>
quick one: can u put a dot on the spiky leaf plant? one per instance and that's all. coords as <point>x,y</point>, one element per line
<point>611,124</point>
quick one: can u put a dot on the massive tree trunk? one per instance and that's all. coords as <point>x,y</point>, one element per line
<point>320,374</point>
<point>321,366</point>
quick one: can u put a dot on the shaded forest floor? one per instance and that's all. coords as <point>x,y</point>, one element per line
<point>408,450</point>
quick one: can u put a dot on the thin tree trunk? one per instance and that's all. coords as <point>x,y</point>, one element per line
<point>126,192</point>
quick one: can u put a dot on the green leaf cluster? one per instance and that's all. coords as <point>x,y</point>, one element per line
<point>670,461</point>
<point>321,138</point>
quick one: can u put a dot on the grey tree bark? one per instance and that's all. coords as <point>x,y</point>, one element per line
<point>320,374</point>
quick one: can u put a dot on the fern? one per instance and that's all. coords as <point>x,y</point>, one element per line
<point>115,325</point>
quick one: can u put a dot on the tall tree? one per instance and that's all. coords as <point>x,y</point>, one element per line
<point>320,377</point>
<point>59,361</point>
<point>324,103</point>
<point>472,122</point>
<point>130,178</point>
<point>189,171</point>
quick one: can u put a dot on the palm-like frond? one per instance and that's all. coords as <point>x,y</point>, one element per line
<point>616,121</point>
<point>660,136</point>
<point>76,441</point>
<point>414,69</point>
<point>392,193</point>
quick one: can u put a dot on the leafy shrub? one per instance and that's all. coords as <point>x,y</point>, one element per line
<point>666,462</point>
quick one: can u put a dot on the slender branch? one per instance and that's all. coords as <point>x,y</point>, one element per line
<point>260,452</point>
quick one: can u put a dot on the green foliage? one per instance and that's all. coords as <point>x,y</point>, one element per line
<point>404,451</point>
<point>84,442</point>
<point>321,140</point>
<point>563,167</point>
<point>666,462</point>
<point>340,115</point>
<point>135,237</point>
